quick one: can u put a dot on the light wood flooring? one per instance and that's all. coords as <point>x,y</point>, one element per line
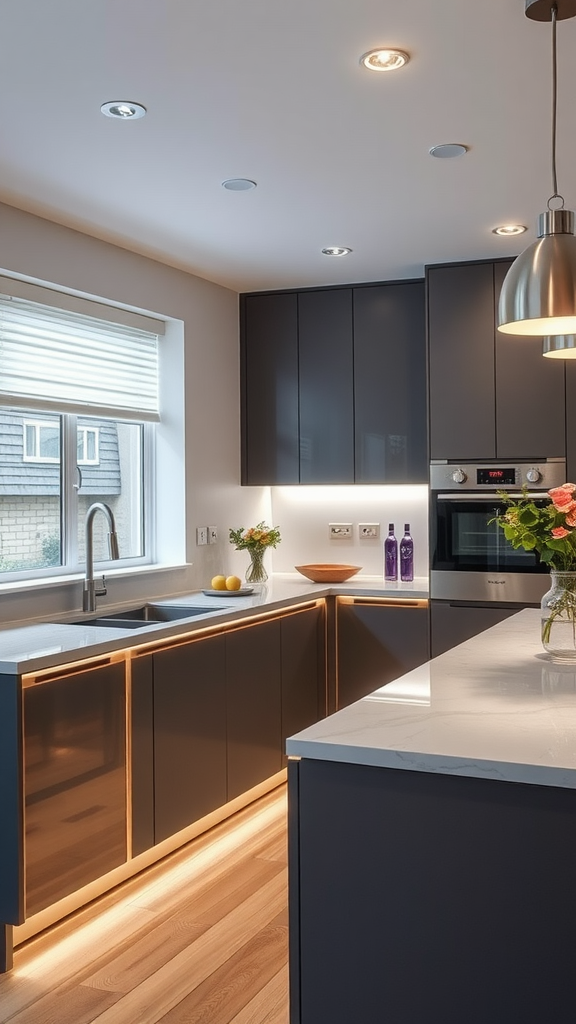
<point>200,937</point>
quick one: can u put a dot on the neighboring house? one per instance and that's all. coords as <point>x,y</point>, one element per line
<point>30,482</point>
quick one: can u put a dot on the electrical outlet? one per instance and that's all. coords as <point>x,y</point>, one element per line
<point>340,531</point>
<point>368,531</point>
<point>212,534</point>
<point>201,535</point>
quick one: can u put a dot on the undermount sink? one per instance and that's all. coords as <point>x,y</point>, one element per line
<point>146,614</point>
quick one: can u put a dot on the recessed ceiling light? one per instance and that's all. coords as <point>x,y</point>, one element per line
<point>448,149</point>
<point>510,229</point>
<point>336,250</point>
<point>238,184</point>
<point>384,59</point>
<point>125,110</point>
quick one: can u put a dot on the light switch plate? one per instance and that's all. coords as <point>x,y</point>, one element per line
<point>201,535</point>
<point>340,531</point>
<point>368,531</point>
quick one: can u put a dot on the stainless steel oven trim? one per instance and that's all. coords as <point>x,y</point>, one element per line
<point>483,496</point>
<point>489,587</point>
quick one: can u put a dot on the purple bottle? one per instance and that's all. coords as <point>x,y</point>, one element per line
<point>390,555</point>
<point>406,556</point>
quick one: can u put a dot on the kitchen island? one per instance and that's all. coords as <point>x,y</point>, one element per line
<point>432,838</point>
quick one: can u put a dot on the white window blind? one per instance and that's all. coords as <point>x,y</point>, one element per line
<point>52,357</point>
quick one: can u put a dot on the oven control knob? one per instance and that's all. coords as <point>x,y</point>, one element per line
<point>533,475</point>
<point>459,476</point>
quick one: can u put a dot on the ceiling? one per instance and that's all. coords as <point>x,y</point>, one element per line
<point>274,92</point>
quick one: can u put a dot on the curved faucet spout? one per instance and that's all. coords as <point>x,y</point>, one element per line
<point>90,593</point>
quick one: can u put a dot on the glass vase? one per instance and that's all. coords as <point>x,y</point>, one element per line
<point>256,573</point>
<point>559,617</point>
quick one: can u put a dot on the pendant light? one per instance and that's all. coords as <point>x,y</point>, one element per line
<point>538,296</point>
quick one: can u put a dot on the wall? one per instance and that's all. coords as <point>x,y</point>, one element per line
<point>198,483</point>
<point>303,515</point>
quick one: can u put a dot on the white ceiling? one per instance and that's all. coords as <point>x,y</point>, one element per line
<point>274,92</point>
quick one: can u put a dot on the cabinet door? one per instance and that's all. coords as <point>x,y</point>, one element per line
<point>530,402</point>
<point>142,753</point>
<point>571,420</point>
<point>303,670</point>
<point>377,643</point>
<point>461,361</point>
<point>451,624</point>
<point>390,383</point>
<point>74,781</point>
<point>253,705</point>
<point>269,364</point>
<point>189,733</point>
<point>326,387</point>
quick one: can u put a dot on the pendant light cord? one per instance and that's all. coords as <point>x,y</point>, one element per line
<point>555,193</point>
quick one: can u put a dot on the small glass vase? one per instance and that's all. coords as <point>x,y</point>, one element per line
<point>559,617</point>
<point>256,573</point>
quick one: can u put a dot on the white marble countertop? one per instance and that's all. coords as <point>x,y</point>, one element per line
<point>41,644</point>
<point>494,707</point>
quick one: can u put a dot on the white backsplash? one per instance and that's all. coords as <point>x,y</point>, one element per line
<point>303,515</point>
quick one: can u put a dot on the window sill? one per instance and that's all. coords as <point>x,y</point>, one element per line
<point>65,580</point>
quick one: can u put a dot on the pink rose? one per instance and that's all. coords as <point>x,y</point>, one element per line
<point>571,518</point>
<point>562,497</point>
<point>558,532</point>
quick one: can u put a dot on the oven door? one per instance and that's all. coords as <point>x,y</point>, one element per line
<point>471,560</point>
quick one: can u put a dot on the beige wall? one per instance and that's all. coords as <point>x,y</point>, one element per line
<point>208,491</point>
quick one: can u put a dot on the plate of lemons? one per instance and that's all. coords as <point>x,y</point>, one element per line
<point>229,585</point>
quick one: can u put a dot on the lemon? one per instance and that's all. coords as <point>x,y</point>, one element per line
<point>233,583</point>
<point>218,583</point>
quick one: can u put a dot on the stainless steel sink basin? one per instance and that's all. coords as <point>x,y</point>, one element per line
<point>146,614</point>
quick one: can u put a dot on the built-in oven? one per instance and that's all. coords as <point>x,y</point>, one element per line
<point>472,565</point>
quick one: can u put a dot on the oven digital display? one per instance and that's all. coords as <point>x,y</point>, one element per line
<point>501,477</point>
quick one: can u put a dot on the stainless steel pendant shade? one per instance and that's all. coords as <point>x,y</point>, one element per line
<point>538,296</point>
<point>561,346</point>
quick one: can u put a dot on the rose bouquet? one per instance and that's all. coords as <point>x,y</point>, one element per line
<point>550,530</point>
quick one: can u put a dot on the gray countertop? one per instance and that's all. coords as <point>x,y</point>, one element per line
<point>41,645</point>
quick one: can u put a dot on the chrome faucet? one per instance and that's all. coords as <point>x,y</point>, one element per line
<point>90,593</point>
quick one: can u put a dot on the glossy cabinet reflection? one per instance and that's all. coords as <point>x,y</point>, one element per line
<point>74,781</point>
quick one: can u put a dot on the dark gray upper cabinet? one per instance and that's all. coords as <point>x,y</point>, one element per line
<point>571,420</point>
<point>269,368</point>
<point>333,385</point>
<point>461,361</point>
<point>490,395</point>
<point>326,375</point>
<point>530,402</point>
<point>390,383</point>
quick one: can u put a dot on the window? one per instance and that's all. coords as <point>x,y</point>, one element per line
<point>78,409</point>
<point>41,441</point>
<point>87,446</point>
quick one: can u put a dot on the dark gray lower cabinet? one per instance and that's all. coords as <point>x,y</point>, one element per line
<point>419,898</point>
<point>452,623</point>
<point>302,636</point>
<point>377,642</point>
<point>253,705</point>
<point>210,717</point>
<point>189,733</point>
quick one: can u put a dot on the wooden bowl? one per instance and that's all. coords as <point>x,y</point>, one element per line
<point>328,572</point>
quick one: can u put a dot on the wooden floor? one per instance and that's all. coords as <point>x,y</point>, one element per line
<point>201,937</point>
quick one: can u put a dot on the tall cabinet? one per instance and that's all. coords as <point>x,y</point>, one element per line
<point>491,395</point>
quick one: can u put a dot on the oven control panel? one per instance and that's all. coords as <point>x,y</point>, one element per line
<point>497,476</point>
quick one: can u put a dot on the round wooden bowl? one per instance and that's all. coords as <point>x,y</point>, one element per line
<point>328,572</point>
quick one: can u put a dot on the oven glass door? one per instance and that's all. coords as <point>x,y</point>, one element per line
<point>463,538</point>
